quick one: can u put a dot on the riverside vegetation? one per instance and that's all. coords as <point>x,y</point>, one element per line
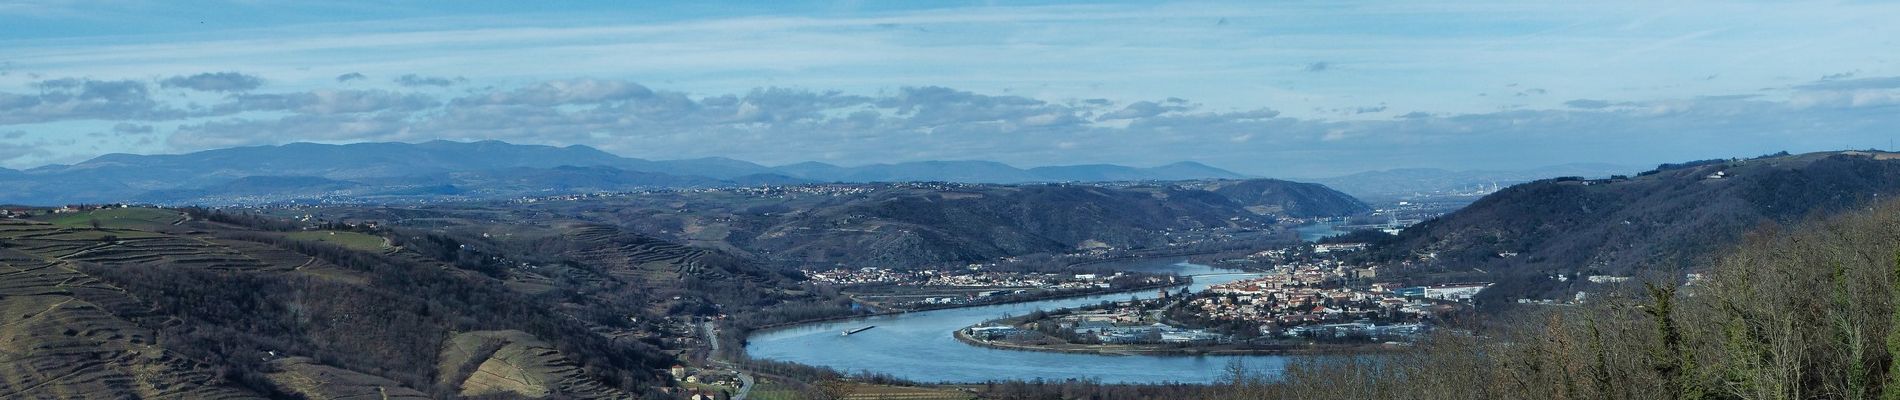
<point>1807,312</point>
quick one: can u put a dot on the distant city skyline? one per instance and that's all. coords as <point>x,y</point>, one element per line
<point>1291,89</point>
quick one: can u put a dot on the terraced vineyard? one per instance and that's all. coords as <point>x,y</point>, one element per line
<point>636,257</point>
<point>62,335</point>
<point>304,376</point>
<point>662,266</point>
<point>514,362</point>
<point>78,317</point>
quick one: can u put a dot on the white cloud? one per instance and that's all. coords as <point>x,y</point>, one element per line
<point>1023,84</point>
<point>214,82</point>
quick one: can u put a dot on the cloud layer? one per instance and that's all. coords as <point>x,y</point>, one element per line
<point>1283,89</point>
<point>783,125</point>
<point>214,82</point>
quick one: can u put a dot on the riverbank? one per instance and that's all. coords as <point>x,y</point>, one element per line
<point>1183,281</point>
<point>919,346</point>
<point>1170,350</point>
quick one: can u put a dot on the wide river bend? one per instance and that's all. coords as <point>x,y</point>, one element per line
<point>919,346</point>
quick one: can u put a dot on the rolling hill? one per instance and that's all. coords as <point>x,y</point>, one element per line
<point>1396,183</point>
<point>158,303</point>
<point>994,172</point>
<point>914,224</point>
<point>1294,199</point>
<point>1669,220</point>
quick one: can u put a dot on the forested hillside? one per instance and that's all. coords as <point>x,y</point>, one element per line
<point>1667,221</point>
<point>916,224</point>
<point>1807,312</point>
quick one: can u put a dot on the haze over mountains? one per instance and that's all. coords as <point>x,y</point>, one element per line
<point>480,170</point>
<point>1410,181</point>
<point>492,169</point>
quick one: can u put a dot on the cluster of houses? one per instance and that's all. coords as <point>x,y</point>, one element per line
<point>23,212</point>
<point>1324,248</point>
<point>1314,300</point>
<point>1110,333</point>
<point>764,192</point>
<point>683,374</point>
<point>1090,330</point>
<point>1356,329</point>
<point>1047,281</point>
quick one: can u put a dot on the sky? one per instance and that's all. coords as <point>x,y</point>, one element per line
<point>1284,89</point>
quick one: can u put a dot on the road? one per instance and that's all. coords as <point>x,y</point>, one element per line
<point>745,379</point>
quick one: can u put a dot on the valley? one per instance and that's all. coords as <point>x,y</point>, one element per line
<point>965,200</point>
<point>746,290</point>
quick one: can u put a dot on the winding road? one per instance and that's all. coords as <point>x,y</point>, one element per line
<point>745,378</point>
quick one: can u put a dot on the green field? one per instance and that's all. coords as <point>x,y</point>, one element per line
<point>881,392</point>
<point>114,218</point>
<point>353,240</point>
<point>776,391</point>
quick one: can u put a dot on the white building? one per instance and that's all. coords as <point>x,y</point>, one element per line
<point>1455,292</point>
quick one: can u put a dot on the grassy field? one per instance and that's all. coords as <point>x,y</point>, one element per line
<point>114,218</point>
<point>774,391</point>
<point>91,235</point>
<point>879,392</point>
<point>353,240</point>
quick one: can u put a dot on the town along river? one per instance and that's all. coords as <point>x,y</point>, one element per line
<point>919,346</point>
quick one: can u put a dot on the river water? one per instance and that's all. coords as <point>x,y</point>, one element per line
<point>919,346</point>
<point>1313,232</point>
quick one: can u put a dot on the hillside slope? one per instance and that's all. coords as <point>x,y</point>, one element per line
<point>62,339</point>
<point>1671,219</point>
<point>153,303</point>
<point>908,226</point>
<point>1293,199</point>
<point>916,224</point>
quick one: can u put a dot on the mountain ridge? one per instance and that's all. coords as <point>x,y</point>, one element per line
<point>1670,219</point>
<point>1399,182</point>
<point>381,168</point>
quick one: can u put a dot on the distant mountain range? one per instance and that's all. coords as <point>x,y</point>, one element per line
<point>488,169</point>
<point>994,172</point>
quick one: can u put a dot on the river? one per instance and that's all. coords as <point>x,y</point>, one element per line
<point>1313,232</point>
<point>919,346</point>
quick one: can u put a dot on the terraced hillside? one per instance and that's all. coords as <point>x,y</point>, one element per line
<point>306,377</point>
<point>62,335</point>
<point>643,258</point>
<point>187,308</point>
<point>680,278</point>
<point>513,362</point>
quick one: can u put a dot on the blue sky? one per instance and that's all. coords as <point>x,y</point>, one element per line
<point>1290,89</point>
